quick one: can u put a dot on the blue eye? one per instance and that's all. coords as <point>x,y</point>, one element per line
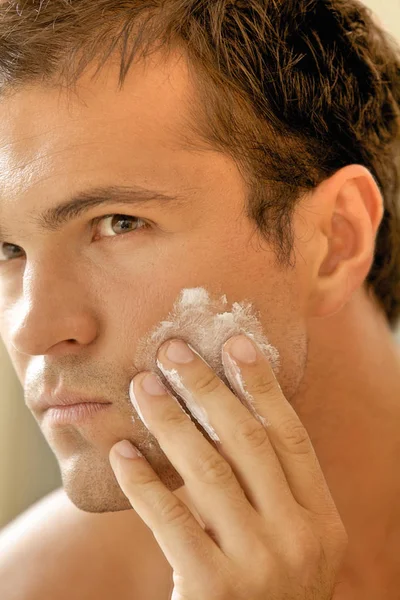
<point>108,222</point>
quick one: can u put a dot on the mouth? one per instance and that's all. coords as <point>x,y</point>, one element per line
<point>74,413</point>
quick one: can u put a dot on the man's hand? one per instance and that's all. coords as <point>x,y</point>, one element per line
<point>272,530</point>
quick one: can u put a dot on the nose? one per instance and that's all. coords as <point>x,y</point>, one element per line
<point>53,314</point>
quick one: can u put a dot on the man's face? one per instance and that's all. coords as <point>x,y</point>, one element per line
<point>75,300</point>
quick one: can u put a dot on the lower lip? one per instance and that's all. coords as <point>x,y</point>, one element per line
<point>74,413</point>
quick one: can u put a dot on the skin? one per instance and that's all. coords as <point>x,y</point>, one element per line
<point>271,527</point>
<point>106,294</point>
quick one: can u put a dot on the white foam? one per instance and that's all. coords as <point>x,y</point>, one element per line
<point>206,325</point>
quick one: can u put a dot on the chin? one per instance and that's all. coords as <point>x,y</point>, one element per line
<point>92,486</point>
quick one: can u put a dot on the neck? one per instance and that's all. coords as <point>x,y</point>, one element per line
<point>349,404</point>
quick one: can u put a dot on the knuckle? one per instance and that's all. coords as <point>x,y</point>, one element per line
<point>262,386</point>
<point>294,435</point>
<point>207,383</point>
<point>172,417</point>
<point>213,468</point>
<point>171,510</point>
<point>146,481</point>
<point>251,433</point>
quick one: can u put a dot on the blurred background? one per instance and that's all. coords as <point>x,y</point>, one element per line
<point>28,469</point>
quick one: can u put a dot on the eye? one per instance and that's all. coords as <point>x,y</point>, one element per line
<point>105,225</point>
<point>8,251</point>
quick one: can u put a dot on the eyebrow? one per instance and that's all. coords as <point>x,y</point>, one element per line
<point>55,217</point>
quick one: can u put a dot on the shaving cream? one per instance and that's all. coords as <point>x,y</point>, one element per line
<point>205,324</point>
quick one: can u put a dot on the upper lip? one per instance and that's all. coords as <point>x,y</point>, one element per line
<point>66,398</point>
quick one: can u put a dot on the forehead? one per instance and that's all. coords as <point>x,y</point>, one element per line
<point>154,93</point>
<point>51,136</point>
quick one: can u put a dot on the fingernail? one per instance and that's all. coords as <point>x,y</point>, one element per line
<point>243,350</point>
<point>179,352</point>
<point>127,450</point>
<point>152,385</point>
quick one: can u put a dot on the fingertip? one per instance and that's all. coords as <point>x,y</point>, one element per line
<point>126,450</point>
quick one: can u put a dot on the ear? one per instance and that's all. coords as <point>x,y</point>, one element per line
<point>349,209</point>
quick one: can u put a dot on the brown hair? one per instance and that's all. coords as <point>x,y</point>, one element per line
<point>292,90</point>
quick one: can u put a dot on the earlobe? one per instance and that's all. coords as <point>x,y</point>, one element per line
<point>356,210</point>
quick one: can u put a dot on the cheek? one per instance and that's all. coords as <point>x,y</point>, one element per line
<point>282,318</point>
<point>233,267</point>
<point>278,297</point>
<point>292,341</point>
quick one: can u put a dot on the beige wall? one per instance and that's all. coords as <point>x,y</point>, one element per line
<point>28,469</point>
<point>388,12</point>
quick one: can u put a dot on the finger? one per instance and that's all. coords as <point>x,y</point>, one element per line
<point>209,479</point>
<point>258,386</point>
<point>242,439</point>
<point>185,545</point>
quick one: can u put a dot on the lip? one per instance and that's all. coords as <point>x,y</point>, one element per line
<point>74,413</point>
<point>65,399</point>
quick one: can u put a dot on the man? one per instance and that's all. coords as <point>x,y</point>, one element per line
<point>273,129</point>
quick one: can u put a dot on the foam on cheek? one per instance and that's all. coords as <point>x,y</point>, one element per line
<point>206,325</point>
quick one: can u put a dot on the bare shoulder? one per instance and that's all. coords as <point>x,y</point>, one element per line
<point>55,550</point>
